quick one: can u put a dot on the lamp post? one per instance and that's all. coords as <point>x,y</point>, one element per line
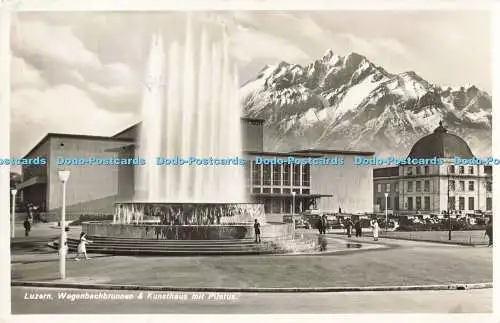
<point>386,196</point>
<point>293,208</point>
<point>448,203</point>
<point>13,214</point>
<point>63,177</point>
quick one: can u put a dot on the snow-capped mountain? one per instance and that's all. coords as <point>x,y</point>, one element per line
<point>349,103</point>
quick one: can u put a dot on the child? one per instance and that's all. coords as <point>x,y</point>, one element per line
<point>27,227</point>
<point>256,227</point>
<point>81,246</point>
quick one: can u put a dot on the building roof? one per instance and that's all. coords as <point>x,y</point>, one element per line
<point>441,144</point>
<point>72,136</point>
<point>126,129</point>
<point>334,152</point>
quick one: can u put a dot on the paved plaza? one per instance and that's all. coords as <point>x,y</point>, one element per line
<point>394,263</point>
<point>402,263</point>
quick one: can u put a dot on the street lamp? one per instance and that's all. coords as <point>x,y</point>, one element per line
<point>448,203</point>
<point>293,208</point>
<point>13,214</point>
<point>63,177</point>
<point>386,196</point>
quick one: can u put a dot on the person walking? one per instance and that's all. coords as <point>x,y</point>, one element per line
<point>375,229</point>
<point>27,227</point>
<point>324,221</point>
<point>256,227</point>
<point>320,225</point>
<point>489,233</point>
<point>349,227</point>
<point>81,249</point>
<point>357,227</point>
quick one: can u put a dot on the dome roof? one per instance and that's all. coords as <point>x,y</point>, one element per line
<point>441,144</point>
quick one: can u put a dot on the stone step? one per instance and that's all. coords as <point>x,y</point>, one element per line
<point>135,252</point>
<point>163,243</point>
<point>170,241</point>
<point>153,247</point>
<point>174,247</point>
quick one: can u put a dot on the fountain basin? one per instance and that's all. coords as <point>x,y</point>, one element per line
<point>169,213</point>
<point>269,231</point>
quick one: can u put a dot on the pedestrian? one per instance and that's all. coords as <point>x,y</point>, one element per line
<point>27,227</point>
<point>320,225</point>
<point>81,249</point>
<point>375,229</point>
<point>489,233</point>
<point>157,232</point>
<point>357,227</point>
<point>256,227</point>
<point>30,212</point>
<point>349,228</point>
<point>324,220</point>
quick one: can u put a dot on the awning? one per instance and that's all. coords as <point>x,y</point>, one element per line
<point>32,181</point>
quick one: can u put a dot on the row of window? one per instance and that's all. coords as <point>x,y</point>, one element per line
<point>277,190</point>
<point>280,175</point>
<point>427,186</point>
<point>418,170</point>
<point>381,203</point>
<point>461,170</point>
<point>461,186</point>
<point>470,205</point>
<point>418,186</point>
<point>427,203</point>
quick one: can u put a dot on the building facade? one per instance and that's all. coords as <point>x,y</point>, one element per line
<point>94,188</point>
<point>435,188</point>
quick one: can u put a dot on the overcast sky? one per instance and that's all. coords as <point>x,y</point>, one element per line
<point>83,72</point>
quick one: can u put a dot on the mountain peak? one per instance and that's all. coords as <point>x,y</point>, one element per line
<point>330,57</point>
<point>354,55</point>
<point>413,75</point>
<point>328,54</point>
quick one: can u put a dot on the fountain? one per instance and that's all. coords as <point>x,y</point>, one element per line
<point>190,109</point>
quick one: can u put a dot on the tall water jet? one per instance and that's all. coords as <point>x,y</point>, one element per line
<point>190,108</point>
<point>171,143</point>
<point>148,177</point>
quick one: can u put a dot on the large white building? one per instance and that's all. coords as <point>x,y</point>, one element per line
<point>435,189</point>
<point>93,188</point>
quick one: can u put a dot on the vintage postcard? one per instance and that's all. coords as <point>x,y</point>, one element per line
<point>247,161</point>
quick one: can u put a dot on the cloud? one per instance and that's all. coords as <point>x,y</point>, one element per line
<point>53,44</point>
<point>62,108</point>
<point>58,85</point>
<point>250,44</point>
<point>64,59</point>
<point>25,75</point>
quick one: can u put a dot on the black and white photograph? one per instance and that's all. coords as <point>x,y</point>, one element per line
<point>251,162</point>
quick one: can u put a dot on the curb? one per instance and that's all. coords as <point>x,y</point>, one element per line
<point>457,243</point>
<point>251,290</point>
<point>428,240</point>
